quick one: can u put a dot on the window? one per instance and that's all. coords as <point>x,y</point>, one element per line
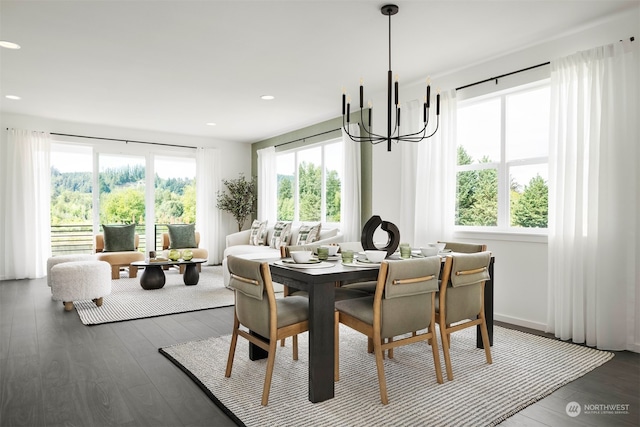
<point>502,171</point>
<point>71,199</point>
<point>309,183</point>
<point>120,190</point>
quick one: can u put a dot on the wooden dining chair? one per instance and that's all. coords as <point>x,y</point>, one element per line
<point>464,248</point>
<point>340,292</point>
<point>368,286</point>
<point>268,319</point>
<point>461,300</point>
<point>404,302</point>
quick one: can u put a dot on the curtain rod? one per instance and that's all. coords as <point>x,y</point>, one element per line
<point>307,137</point>
<point>126,141</point>
<point>502,75</point>
<point>514,72</point>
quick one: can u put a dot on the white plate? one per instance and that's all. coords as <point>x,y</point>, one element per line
<point>321,264</point>
<point>290,261</point>
<point>330,258</point>
<point>360,264</point>
<point>366,263</point>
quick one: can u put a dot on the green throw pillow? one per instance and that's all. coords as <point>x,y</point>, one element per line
<point>182,236</point>
<point>119,238</point>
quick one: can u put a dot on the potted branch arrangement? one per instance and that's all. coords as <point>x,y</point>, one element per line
<point>239,199</point>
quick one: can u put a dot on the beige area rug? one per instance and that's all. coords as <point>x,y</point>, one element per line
<point>525,369</point>
<point>129,301</point>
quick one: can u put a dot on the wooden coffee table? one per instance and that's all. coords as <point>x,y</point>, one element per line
<point>153,275</point>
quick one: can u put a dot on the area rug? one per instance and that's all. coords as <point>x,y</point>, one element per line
<point>525,369</point>
<point>129,301</point>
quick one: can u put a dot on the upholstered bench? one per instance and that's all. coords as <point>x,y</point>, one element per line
<point>80,280</point>
<point>65,258</point>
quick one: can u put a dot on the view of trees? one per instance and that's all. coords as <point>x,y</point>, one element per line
<point>121,197</point>
<point>477,197</point>
<point>310,194</point>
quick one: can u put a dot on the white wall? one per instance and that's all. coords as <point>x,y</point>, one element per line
<point>521,263</point>
<point>236,157</point>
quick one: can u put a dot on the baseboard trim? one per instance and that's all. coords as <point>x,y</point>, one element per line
<point>520,322</point>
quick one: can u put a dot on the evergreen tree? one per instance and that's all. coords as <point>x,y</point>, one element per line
<point>333,196</point>
<point>531,209</point>
<point>310,188</point>
<point>285,198</point>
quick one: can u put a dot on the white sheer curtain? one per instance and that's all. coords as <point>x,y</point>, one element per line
<point>410,123</point>
<point>351,186</point>
<point>208,179</point>
<point>267,185</point>
<point>593,197</point>
<point>436,178</point>
<point>25,204</point>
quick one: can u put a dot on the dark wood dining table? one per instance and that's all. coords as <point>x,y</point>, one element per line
<point>320,284</point>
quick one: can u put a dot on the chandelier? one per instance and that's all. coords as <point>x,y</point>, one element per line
<point>393,132</point>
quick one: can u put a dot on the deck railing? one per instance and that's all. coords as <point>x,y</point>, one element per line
<point>79,238</point>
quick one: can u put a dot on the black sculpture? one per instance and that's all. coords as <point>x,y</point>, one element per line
<point>370,227</point>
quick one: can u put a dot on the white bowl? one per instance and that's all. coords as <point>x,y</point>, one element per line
<point>333,249</point>
<point>301,256</point>
<point>376,256</point>
<point>429,250</point>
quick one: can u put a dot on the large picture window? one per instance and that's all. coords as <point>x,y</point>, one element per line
<point>309,183</point>
<point>91,187</point>
<point>502,173</point>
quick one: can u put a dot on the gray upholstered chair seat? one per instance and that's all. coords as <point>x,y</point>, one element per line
<point>359,308</point>
<point>368,287</point>
<point>340,294</point>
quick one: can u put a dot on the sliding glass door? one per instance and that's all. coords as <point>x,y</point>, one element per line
<point>175,193</point>
<point>122,183</point>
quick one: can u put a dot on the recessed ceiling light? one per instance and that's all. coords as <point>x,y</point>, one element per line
<point>211,124</point>
<point>267,97</point>
<point>9,45</point>
<point>12,97</point>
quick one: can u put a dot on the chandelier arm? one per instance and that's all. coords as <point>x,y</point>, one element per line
<point>436,129</point>
<point>368,131</point>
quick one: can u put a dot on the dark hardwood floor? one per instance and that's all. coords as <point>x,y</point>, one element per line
<point>54,371</point>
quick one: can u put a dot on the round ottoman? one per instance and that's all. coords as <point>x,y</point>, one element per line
<point>80,280</point>
<point>65,258</point>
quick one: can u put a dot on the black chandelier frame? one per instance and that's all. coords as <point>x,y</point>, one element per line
<point>393,131</point>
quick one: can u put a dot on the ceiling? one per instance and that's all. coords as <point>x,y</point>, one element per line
<point>173,66</point>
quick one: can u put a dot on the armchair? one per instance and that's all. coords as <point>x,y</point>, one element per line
<point>119,259</point>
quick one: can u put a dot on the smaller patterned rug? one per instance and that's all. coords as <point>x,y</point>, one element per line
<point>525,369</point>
<point>129,301</point>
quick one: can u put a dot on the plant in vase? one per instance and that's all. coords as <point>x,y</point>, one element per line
<point>239,199</point>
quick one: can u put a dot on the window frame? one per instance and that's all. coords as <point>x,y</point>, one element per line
<point>146,151</point>
<point>323,190</point>
<point>503,230</point>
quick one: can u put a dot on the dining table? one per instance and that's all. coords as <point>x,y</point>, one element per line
<point>320,284</point>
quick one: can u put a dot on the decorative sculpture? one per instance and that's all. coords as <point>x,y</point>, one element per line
<point>369,229</point>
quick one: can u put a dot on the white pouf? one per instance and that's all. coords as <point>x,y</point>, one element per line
<point>80,280</point>
<point>65,258</point>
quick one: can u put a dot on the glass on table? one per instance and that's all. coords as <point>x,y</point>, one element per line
<point>347,256</point>
<point>405,250</point>
<point>323,253</point>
